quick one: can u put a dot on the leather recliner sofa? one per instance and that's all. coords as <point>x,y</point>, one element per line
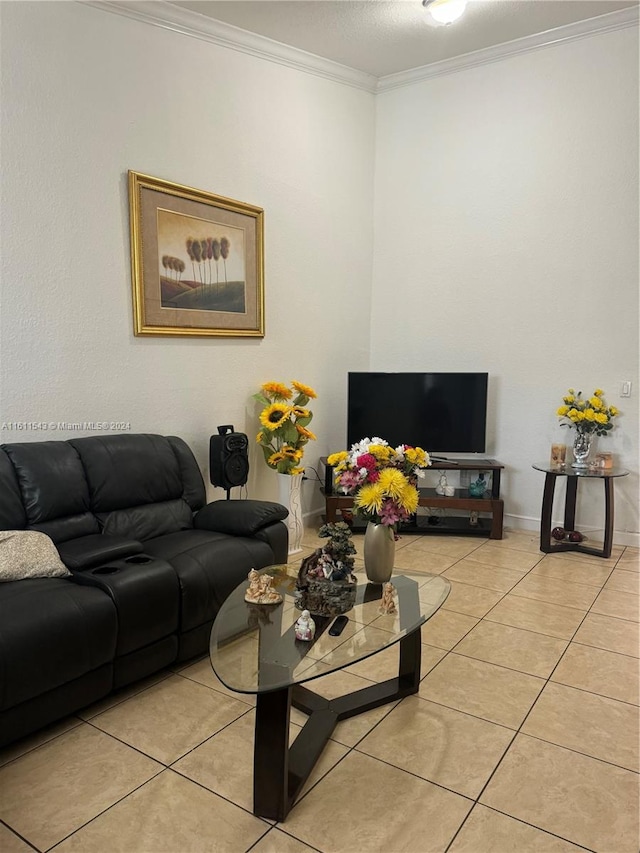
<point>151,565</point>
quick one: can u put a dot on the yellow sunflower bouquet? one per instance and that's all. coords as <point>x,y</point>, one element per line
<point>590,415</point>
<point>285,420</point>
<point>381,478</point>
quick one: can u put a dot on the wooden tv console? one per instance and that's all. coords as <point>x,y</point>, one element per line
<point>473,525</point>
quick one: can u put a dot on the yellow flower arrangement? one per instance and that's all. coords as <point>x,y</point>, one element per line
<point>285,420</point>
<point>587,416</point>
<point>381,478</point>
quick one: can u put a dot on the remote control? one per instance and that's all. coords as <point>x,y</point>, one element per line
<point>338,626</point>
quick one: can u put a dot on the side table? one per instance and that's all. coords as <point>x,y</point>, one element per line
<point>573,475</point>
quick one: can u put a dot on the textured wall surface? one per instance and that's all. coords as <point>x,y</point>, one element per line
<point>506,240</point>
<point>87,95</point>
<point>496,229</point>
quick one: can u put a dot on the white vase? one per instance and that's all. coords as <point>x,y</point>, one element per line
<point>379,552</point>
<point>289,488</point>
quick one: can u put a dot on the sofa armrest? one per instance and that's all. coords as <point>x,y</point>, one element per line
<point>95,549</point>
<point>239,518</point>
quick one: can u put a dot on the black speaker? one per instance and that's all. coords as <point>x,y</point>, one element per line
<point>228,458</point>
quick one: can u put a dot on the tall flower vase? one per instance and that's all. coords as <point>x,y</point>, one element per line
<point>379,552</point>
<point>289,488</point>
<point>581,449</point>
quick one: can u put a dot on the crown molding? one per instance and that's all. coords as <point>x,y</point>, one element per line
<point>160,13</point>
<point>610,22</point>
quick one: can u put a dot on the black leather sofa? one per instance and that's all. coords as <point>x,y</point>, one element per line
<point>151,564</point>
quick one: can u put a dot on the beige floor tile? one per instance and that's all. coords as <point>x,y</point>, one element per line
<point>347,732</point>
<point>471,600</point>
<point>594,725</point>
<point>554,591</point>
<point>462,750</point>
<point>622,581</point>
<point>497,555</point>
<point>170,814</point>
<point>276,841</point>
<point>418,560</point>
<point>478,574</point>
<point>11,843</point>
<point>488,831</point>
<point>520,540</point>
<point>602,672</point>
<point>525,651</point>
<point>53,790</point>
<point>540,616</point>
<point>372,821</point>
<point>224,764</point>
<point>574,796</point>
<point>26,744</point>
<point>605,632</point>
<point>170,718</point>
<point>576,571</point>
<point>491,692</point>
<point>446,628</point>
<point>622,605</point>
<point>202,672</point>
<point>580,556</point>
<point>630,560</point>
<point>451,546</point>
<point>384,665</point>
<point>122,695</point>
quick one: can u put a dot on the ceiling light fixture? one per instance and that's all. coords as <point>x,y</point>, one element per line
<point>445,11</point>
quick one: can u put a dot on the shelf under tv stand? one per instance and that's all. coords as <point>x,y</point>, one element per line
<point>491,503</point>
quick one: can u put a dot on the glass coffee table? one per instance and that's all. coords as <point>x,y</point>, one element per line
<point>253,649</point>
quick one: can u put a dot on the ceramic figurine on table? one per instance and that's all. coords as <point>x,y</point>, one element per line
<point>387,602</point>
<point>269,595</point>
<point>305,627</point>
<point>441,488</point>
<point>260,590</point>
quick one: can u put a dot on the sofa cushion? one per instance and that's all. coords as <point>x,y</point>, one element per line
<point>52,631</point>
<point>53,488</point>
<point>147,522</point>
<point>209,567</point>
<point>129,470</point>
<point>239,518</point>
<point>29,554</point>
<point>12,514</point>
<point>95,550</point>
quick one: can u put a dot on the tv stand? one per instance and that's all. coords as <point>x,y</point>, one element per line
<point>471,525</point>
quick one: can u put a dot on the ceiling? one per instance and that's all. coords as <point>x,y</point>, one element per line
<point>381,37</point>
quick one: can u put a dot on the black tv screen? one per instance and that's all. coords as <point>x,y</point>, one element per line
<point>440,412</point>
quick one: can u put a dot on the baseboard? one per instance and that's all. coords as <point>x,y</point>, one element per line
<point>524,522</point>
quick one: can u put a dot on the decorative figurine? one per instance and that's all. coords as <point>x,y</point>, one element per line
<point>441,488</point>
<point>305,627</point>
<point>260,590</point>
<point>387,603</point>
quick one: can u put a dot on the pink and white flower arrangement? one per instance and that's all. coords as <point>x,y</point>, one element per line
<point>381,478</point>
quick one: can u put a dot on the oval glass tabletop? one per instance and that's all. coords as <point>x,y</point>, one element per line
<point>253,647</point>
<point>580,471</point>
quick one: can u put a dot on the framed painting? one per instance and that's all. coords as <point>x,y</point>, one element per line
<point>197,263</point>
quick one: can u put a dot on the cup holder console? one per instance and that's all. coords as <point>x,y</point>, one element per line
<point>139,558</point>
<point>105,570</point>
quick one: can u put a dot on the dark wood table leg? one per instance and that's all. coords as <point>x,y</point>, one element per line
<point>570,503</point>
<point>608,517</point>
<point>547,510</point>
<point>271,754</point>
<point>497,519</point>
<point>410,662</point>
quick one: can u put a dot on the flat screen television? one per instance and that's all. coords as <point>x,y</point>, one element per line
<point>441,412</point>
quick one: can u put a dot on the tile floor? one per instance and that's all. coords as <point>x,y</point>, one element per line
<point>523,736</point>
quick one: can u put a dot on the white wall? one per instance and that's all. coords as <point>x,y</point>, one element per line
<point>87,95</point>
<point>506,221</point>
<point>506,240</point>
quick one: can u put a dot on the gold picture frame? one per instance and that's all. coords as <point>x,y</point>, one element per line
<point>197,261</point>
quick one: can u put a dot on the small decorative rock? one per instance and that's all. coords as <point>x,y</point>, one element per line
<point>305,627</point>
